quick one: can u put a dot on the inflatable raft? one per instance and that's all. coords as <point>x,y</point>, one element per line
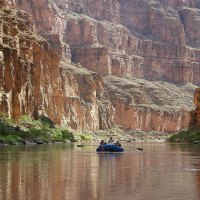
<point>109,148</point>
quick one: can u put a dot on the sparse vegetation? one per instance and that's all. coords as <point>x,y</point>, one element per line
<point>186,136</point>
<point>3,129</point>
<point>26,129</point>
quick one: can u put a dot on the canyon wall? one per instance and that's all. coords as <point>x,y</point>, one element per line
<point>34,81</point>
<point>149,105</point>
<point>154,40</point>
<point>129,46</point>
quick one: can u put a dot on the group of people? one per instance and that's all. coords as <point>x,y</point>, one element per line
<point>111,140</point>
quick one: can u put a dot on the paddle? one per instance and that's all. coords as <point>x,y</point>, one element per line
<point>139,149</point>
<point>82,145</point>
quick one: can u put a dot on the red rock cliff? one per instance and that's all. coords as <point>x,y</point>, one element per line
<point>151,40</point>
<point>34,81</point>
<point>145,39</point>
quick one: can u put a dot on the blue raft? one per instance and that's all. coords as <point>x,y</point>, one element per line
<point>109,148</point>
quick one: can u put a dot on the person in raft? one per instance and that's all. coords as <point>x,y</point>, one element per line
<point>118,144</point>
<point>110,140</point>
<point>102,142</point>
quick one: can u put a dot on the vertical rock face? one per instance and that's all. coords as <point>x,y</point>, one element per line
<point>98,9</point>
<point>34,81</point>
<point>190,19</point>
<point>156,40</point>
<point>176,4</point>
<point>160,36</point>
<point>149,105</point>
<point>152,20</point>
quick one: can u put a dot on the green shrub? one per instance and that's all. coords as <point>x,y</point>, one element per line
<point>57,135</point>
<point>45,127</point>
<point>39,133</point>
<point>4,129</point>
<point>68,135</point>
<point>25,119</point>
<point>24,134</point>
<point>2,138</point>
<point>11,139</point>
<point>34,132</point>
<point>186,136</point>
<point>5,118</point>
<point>36,123</point>
<point>85,136</point>
<point>42,129</point>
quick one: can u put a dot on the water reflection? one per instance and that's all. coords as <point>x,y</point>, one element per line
<point>65,172</point>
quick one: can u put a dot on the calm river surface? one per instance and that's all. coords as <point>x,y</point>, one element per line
<point>162,171</point>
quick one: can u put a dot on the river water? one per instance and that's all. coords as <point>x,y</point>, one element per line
<point>162,171</point>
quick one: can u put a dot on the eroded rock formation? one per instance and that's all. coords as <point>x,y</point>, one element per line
<point>119,39</point>
<point>34,81</point>
<point>149,105</point>
<point>155,40</point>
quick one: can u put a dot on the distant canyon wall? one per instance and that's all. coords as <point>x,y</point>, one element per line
<point>154,40</point>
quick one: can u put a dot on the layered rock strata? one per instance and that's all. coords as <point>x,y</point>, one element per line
<point>150,40</point>
<point>145,39</point>
<point>34,81</point>
<point>149,105</point>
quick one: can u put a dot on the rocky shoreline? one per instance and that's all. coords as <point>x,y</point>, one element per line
<point>26,131</point>
<point>27,135</point>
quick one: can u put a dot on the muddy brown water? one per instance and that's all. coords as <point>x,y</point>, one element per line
<point>162,171</point>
